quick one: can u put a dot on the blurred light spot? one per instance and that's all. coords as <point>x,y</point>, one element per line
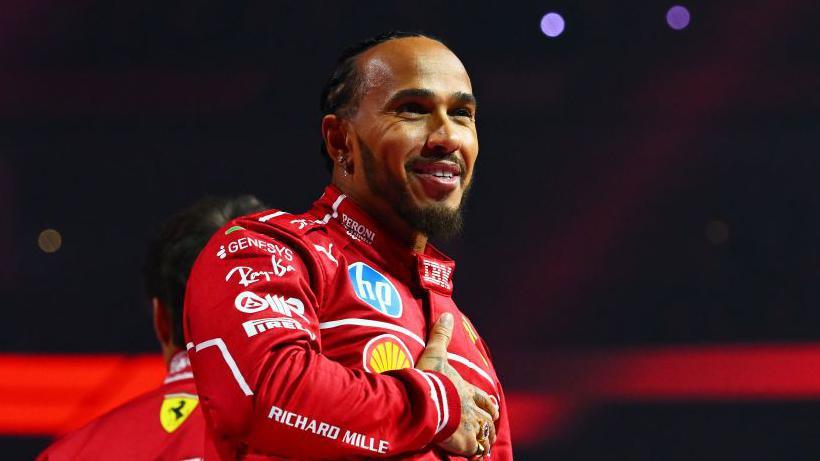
<point>50,240</point>
<point>552,24</point>
<point>717,232</point>
<point>677,17</point>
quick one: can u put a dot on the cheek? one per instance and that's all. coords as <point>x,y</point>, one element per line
<point>399,145</point>
<point>469,148</point>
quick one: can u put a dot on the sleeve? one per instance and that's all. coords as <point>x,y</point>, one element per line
<point>252,326</point>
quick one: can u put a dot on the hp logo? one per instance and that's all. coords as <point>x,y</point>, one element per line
<point>375,289</point>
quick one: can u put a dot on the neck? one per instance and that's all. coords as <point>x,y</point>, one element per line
<point>420,243</point>
<point>385,215</point>
<point>168,352</point>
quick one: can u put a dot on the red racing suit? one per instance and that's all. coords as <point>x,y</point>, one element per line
<point>304,331</point>
<point>163,424</point>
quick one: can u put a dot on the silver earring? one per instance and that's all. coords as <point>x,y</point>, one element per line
<point>343,164</point>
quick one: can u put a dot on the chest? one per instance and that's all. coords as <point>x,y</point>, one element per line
<point>377,322</point>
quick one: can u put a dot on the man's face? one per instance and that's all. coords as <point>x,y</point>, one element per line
<point>415,131</point>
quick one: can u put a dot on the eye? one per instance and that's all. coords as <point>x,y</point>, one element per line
<point>412,108</point>
<point>462,112</point>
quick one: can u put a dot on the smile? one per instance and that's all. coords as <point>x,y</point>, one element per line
<point>438,169</point>
<point>438,179</point>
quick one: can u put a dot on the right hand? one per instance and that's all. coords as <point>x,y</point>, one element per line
<point>477,410</point>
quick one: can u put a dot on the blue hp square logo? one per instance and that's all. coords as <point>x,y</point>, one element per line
<point>375,289</point>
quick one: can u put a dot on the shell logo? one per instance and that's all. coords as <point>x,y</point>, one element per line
<point>385,353</point>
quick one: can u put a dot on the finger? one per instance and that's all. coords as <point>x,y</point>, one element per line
<point>482,448</point>
<point>488,433</point>
<point>486,444</point>
<point>484,418</point>
<point>491,436</point>
<point>440,335</point>
<point>471,448</point>
<point>485,403</point>
<point>480,452</point>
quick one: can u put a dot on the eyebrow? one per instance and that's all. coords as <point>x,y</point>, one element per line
<point>460,96</point>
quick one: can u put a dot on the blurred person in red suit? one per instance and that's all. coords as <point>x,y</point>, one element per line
<point>165,423</point>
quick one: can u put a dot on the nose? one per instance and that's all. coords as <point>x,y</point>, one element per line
<point>444,138</point>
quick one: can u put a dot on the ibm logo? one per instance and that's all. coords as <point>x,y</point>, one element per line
<point>437,273</point>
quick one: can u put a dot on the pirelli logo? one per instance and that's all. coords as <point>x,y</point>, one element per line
<point>254,327</point>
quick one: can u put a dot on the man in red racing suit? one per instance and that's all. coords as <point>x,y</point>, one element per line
<point>165,423</point>
<point>305,331</point>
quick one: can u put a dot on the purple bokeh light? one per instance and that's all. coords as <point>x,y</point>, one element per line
<point>552,24</point>
<point>677,17</point>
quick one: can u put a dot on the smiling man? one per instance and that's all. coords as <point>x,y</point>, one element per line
<point>332,334</point>
<point>416,110</point>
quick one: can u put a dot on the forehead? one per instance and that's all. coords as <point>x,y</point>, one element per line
<point>414,62</point>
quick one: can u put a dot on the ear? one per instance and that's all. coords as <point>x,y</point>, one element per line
<point>162,323</point>
<point>334,132</point>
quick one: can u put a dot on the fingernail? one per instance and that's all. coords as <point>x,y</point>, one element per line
<point>447,319</point>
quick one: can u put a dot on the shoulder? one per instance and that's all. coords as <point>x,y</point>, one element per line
<point>251,231</point>
<point>303,235</point>
<point>272,244</point>
<point>252,236</point>
<point>133,424</point>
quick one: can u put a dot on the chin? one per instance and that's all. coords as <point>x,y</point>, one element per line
<point>449,201</point>
<point>451,204</point>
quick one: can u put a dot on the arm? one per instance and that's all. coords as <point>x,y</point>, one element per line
<point>256,352</point>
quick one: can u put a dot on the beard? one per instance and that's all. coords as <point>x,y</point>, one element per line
<point>435,221</point>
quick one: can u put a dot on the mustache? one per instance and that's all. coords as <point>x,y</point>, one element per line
<point>451,158</point>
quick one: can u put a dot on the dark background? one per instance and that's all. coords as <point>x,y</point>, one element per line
<point>637,185</point>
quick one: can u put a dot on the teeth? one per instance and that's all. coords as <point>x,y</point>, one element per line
<point>442,174</point>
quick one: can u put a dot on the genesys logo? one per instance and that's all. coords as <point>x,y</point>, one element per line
<point>251,303</point>
<point>254,327</point>
<point>250,242</point>
<point>375,289</point>
<point>247,276</point>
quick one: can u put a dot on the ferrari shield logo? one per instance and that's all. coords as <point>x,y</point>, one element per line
<point>176,408</point>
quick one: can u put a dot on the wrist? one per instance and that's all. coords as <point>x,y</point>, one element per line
<point>450,405</point>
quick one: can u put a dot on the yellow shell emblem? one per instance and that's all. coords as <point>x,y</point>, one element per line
<point>175,410</point>
<point>384,353</point>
